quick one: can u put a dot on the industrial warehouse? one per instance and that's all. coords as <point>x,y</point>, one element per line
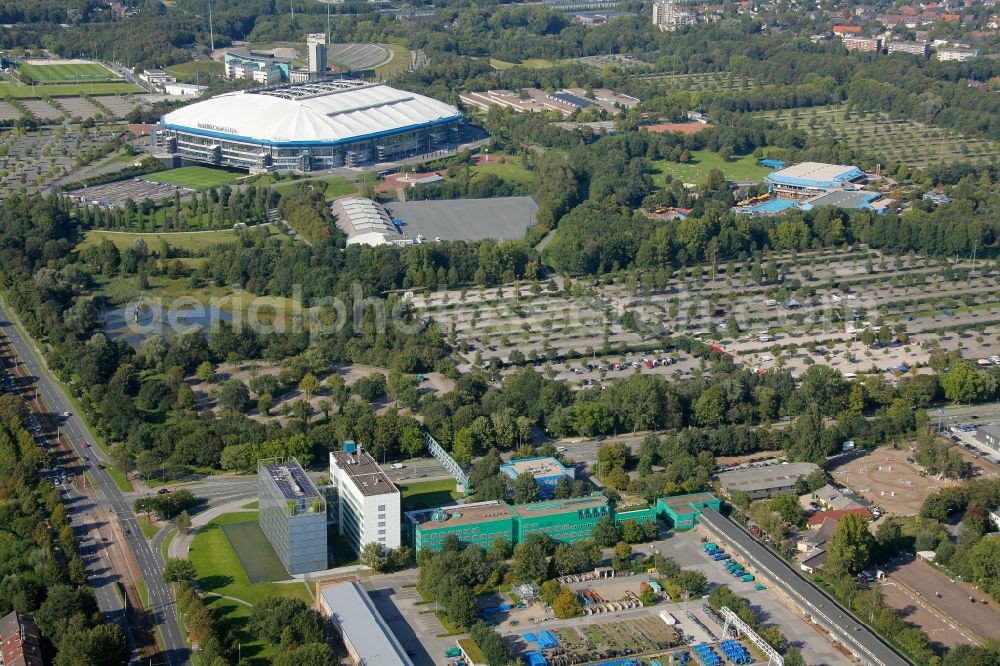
<point>309,127</point>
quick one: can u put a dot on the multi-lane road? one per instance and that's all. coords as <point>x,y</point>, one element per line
<point>105,494</point>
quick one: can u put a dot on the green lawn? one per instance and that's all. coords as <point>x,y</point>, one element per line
<point>703,161</point>
<point>196,177</point>
<point>119,478</point>
<point>511,170</point>
<point>68,72</point>
<point>182,240</point>
<point>9,89</point>
<point>149,529</point>
<point>189,71</point>
<point>165,546</point>
<point>428,494</point>
<point>219,569</point>
<point>336,186</point>
<point>233,618</point>
<point>400,62</point>
<point>530,63</point>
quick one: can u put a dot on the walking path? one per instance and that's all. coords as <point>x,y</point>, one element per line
<point>182,542</point>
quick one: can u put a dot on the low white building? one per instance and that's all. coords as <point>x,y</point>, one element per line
<point>184,89</point>
<point>956,54</point>
<point>367,222</point>
<point>367,503</point>
<point>157,77</point>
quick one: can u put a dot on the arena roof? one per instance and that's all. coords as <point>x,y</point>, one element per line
<point>335,111</point>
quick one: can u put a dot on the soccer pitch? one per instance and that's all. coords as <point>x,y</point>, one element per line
<point>66,72</point>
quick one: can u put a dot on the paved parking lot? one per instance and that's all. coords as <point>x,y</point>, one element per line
<point>686,549</point>
<point>416,627</point>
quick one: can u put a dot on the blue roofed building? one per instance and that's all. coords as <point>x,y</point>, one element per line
<point>546,470</point>
<point>807,179</point>
<point>811,185</point>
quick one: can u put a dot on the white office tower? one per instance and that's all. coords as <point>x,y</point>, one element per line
<point>668,16</point>
<point>367,503</point>
<point>316,45</point>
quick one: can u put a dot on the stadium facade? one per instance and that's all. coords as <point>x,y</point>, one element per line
<point>309,127</point>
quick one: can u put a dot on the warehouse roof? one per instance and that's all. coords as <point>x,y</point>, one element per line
<point>762,478</point>
<point>366,222</point>
<point>363,627</point>
<point>332,111</point>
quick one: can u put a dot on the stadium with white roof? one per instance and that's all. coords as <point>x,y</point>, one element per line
<point>309,127</point>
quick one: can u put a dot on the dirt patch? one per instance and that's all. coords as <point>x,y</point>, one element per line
<point>677,128</point>
<point>885,478</point>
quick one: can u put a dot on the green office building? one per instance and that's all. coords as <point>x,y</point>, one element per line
<point>636,509</point>
<point>565,520</point>
<point>479,523</point>
<point>682,511</point>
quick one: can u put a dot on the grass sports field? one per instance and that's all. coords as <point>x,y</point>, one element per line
<point>17,91</point>
<point>66,72</point>
<point>400,62</point>
<point>512,169</point>
<point>703,161</point>
<point>196,177</point>
<point>336,186</point>
<point>530,63</point>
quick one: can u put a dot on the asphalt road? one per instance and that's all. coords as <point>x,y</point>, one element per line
<point>85,525</point>
<point>162,610</point>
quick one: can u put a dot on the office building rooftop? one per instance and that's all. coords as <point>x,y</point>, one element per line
<point>364,472</point>
<point>461,514</point>
<point>292,480</point>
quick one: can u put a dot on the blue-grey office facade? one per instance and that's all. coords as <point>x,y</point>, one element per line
<point>292,515</point>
